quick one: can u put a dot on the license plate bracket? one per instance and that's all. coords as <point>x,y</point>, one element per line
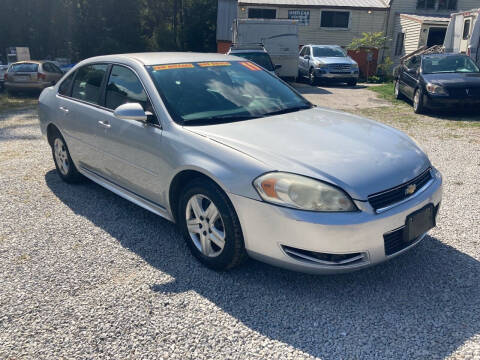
<point>418,223</point>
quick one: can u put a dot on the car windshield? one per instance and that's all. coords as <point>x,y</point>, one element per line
<point>25,67</point>
<point>260,58</point>
<point>449,64</point>
<point>328,52</point>
<point>212,92</point>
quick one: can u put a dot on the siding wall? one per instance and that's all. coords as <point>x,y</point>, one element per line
<point>412,30</point>
<point>226,13</point>
<point>410,7</point>
<point>360,21</point>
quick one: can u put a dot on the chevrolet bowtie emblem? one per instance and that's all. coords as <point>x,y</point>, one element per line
<point>410,189</point>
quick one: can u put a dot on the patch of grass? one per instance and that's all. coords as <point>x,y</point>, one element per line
<point>14,102</point>
<point>386,92</point>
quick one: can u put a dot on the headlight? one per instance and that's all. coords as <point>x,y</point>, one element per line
<point>436,89</point>
<point>301,192</point>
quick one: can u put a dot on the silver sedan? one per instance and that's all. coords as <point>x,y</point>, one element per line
<point>240,161</point>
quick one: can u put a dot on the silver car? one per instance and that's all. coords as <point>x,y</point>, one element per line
<point>240,161</point>
<point>327,62</point>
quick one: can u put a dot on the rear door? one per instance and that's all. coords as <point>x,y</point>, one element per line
<point>52,72</point>
<point>133,149</point>
<point>80,113</point>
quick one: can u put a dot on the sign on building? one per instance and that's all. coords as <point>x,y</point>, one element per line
<point>302,16</point>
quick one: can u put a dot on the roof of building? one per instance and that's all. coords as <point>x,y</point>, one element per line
<point>427,18</point>
<point>381,4</point>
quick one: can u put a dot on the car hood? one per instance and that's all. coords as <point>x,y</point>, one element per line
<point>335,60</point>
<point>454,79</point>
<point>359,155</point>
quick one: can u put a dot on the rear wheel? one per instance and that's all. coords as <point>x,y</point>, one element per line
<point>398,93</point>
<point>210,226</point>
<point>63,162</point>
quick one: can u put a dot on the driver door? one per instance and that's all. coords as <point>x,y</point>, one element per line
<point>409,75</point>
<point>134,154</point>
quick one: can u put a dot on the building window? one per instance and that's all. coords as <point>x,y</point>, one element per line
<point>302,16</point>
<point>466,29</point>
<point>426,4</point>
<point>447,4</point>
<point>399,44</point>
<point>257,13</point>
<point>335,19</point>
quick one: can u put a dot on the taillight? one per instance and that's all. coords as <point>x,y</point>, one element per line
<point>41,76</point>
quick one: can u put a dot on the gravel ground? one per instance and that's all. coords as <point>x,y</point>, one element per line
<point>85,274</point>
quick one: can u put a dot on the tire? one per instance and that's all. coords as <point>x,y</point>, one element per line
<point>312,79</point>
<point>63,162</point>
<point>210,250</point>
<point>397,92</point>
<point>352,82</point>
<point>418,105</point>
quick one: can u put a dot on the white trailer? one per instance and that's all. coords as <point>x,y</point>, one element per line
<point>279,37</point>
<point>463,34</point>
<point>17,53</point>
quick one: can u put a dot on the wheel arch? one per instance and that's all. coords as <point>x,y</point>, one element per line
<point>181,179</point>
<point>52,129</point>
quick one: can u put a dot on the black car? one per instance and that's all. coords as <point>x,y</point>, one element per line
<point>436,81</point>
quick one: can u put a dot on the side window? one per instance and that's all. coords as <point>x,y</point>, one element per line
<point>46,67</point>
<point>66,85</point>
<point>125,87</point>
<point>56,69</point>
<point>466,30</point>
<point>307,52</point>
<point>87,84</point>
<point>413,63</point>
<point>302,53</point>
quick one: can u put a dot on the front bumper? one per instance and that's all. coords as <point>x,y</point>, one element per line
<point>445,102</point>
<point>322,73</point>
<point>271,231</point>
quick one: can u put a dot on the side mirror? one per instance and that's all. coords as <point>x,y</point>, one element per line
<point>278,66</point>
<point>307,57</point>
<point>130,111</point>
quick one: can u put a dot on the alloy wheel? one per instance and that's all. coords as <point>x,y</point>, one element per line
<point>61,156</point>
<point>205,225</point>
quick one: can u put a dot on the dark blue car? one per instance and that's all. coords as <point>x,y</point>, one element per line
<point>438,81</point>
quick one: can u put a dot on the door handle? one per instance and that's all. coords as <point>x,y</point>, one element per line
<point>104,124</point>
<point>64,109</point>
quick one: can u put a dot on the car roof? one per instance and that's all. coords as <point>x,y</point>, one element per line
<point>248,51</point>
<point>156,58</point>
<point>326,46</point>
<point>28,62</point>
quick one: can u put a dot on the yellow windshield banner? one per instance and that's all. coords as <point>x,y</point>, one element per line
<point>173,66</point>
<point>250,66</point>
<point>215,63</point>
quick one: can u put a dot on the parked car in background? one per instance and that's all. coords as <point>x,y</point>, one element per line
<point>31,76</point>
<point>255,53</point>
<point>436,81</point>
<point>327,63</point>
<point>240,161</point>
<point>463,34</point>
<point>3,70</point>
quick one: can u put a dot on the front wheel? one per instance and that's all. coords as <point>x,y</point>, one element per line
<point>352,82</point>
<point>312,77</point>
<point>418,105</point>
<point>210,226</point>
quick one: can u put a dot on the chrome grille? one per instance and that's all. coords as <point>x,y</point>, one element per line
<point>340,67</point>
<point>390,197</point>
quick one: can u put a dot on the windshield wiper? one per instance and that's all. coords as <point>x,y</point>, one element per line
<point>219,119</point>
<point>288,110</point>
